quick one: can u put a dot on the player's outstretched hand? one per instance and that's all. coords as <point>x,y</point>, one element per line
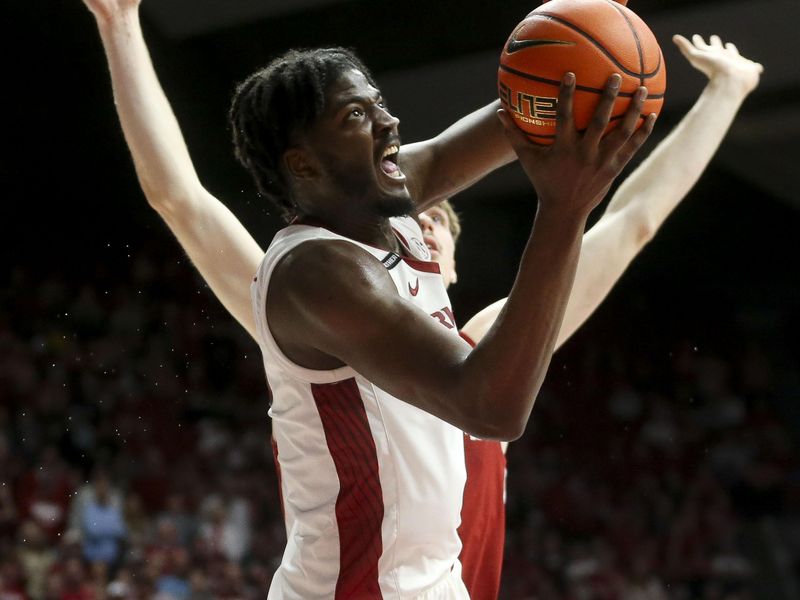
<point>717,60</point>
<point>576,171</point>
<point>106,10</point>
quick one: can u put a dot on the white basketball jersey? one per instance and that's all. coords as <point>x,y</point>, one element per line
<point>371,485</point>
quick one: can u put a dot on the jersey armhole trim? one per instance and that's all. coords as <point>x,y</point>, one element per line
<point>267,342</point>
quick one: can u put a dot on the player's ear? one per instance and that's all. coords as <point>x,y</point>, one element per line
<point>299,164</point>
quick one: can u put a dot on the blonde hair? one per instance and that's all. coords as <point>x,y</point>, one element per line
<point>452,218</point>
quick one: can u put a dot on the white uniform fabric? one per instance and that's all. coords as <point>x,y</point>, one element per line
<point>371,486</point>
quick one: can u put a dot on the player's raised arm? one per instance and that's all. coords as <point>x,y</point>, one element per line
<point>458,157</point>
<point>654,189</point>
<point>216,242</point>
<point>490,391</point>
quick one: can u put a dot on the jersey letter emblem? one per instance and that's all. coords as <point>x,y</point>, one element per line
<point>445,317</point>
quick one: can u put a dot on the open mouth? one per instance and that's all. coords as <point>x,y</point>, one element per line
<point>389,162</point>
<point>431,243</point>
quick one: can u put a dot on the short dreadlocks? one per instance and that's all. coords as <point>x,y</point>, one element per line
<point>275,104</point>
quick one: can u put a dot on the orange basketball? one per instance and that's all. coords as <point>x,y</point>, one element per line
<point>591,38</point>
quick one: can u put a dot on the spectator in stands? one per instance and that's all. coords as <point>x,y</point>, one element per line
<point>86,494</point>
<point>103,527</point>
<point>44,491</point>
<point>35,556</point>
<point>185,523</point>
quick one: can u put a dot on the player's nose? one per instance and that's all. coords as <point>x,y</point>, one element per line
<point>425,223</point>
<point>385,119</point>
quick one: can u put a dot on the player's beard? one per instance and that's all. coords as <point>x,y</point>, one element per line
<point>362,187</point>
<point>395,206</point>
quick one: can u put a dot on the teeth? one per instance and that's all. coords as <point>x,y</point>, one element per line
<point>393,149</point>
<point>395,174</point>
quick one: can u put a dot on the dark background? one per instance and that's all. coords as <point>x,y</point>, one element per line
<point>721,278</point>
<point>726,257</point>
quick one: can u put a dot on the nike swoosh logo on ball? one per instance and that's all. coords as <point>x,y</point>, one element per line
<point>515,45</point>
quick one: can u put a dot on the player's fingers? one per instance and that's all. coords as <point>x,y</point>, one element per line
<point>620,136</point>
<point>699,42</point>
<point>565,127</point>
<point>731,47</point>
<point>634,112</point>
<point>684,45</point>
<point>602,113</point>
<point>715,41</point>
<point>635,141</point>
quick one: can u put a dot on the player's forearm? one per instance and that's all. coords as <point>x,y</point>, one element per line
<point>151,131</point>
<point>460,156</point>
<point>663,179</point>
<point>509,364</point>
<point>607,250</point>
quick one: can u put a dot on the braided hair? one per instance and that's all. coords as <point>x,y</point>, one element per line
<point>275,104</point>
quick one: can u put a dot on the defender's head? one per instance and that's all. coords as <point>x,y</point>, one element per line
<point>441,228</point>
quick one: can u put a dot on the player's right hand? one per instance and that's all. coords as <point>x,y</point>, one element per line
<point>575,172</point>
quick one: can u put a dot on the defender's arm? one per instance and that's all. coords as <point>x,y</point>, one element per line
<point>216,242</point>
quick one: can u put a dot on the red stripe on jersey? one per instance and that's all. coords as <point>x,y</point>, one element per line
<point>422,265</point>
<point>359,506</point>
<point>402,238</point>
<point>467,339</point>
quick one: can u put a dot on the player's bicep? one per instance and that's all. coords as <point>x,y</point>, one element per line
<point>459,156</point>
<point>337,299</point>
<point>416,161</point>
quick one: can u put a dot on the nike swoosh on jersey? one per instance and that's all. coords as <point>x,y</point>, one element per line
<point>414,290</point>
<point>515,45</point>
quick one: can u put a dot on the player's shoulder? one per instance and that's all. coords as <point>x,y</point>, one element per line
<point>321,291</point>
<point>323,269</point>
<point>326,255</point>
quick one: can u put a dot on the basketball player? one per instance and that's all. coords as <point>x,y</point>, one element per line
<point>224,219</point>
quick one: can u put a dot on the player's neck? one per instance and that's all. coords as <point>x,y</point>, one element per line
<point>373,230</point>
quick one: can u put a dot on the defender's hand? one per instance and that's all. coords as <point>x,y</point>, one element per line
<point>575,172</point>
<point>717,60</point>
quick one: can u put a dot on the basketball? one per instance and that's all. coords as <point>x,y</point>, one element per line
<point>591,38</point>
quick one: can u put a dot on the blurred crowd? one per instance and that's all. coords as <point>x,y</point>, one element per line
<point>646,478</point>
<point>135,459</point>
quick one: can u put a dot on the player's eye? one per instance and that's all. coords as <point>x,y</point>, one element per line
<point>356,112</point>
<point>438,217</point>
